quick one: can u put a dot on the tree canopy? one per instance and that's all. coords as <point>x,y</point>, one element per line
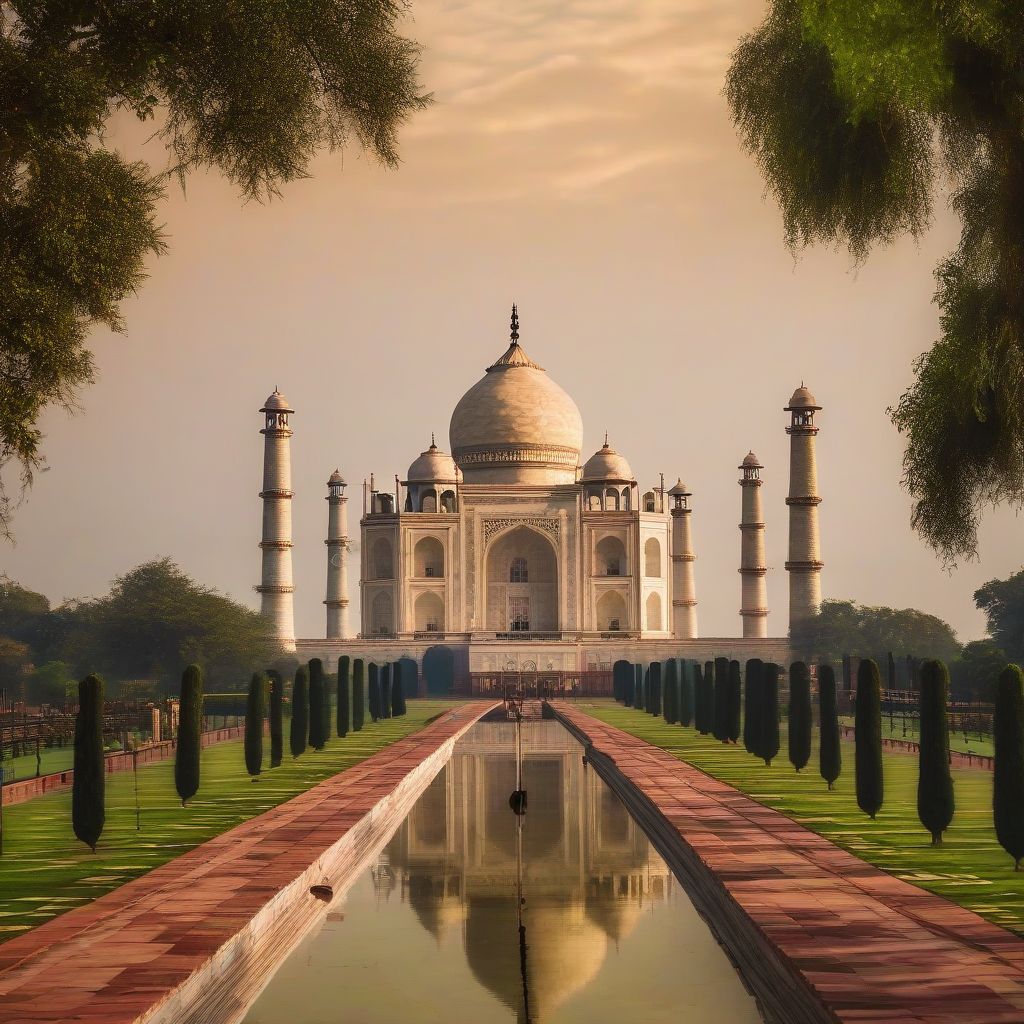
<point>845,627</point>
<point>853,110</point>
<point>1002,601</point>
<point>253,89</point>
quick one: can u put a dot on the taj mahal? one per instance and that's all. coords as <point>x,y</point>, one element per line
<point>514,553</point>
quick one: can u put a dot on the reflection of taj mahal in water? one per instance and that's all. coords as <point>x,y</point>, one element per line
<point>588,871</point>
<point>513,551</point>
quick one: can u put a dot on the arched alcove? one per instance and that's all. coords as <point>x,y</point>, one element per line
<point>522,583</point>
<point>611,499</point>
<point>428,558</point>
<point>654,612</point>
<point>652,557</point>
<point>382,614</point>
<point>611,557</point>
<point>428,613</point>
<point>611,612</point>
<point>382,563</point>
<point>439,669</point>
<point>428,501</point>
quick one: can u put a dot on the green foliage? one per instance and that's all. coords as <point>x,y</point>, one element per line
<point>300,712</point>
<point>26,616</point>
<point>15,662</point>
<point>868,738</point>
<point>654,676</point>
<point>397,691</point>
<point>1002,601</point>
<point>252,90</point>
<point>720,722</point>
<point>344,685</point>
<point>49,684</point>
<point>190,734</point>
<point>622,679</point>
<point>935,783</point>
<point>374,691</point>
<point>830,756</point>
<point>752,704</point>
<point>975,672</point>
<point>317,698</point>
<point>358,690</point>
<point>768,718</point>
<point>1008,777</point>
<point>670,674</point>
<point>734,703</point>
<point>841,104</point>
<point>385,691</point>
<point>276,716</point>
<point>843,626</point>
<point>799,736</point>
<point>255,712</point>
<point>88,806</point>
<point>638,686</point>
<point>686,699</point>
<point>703,708</point>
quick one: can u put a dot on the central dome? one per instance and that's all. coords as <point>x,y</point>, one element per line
<point>516,425</point>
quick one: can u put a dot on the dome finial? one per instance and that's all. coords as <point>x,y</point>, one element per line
<point>515,325</point>
<point>433,443</point>
<point>606,439</point>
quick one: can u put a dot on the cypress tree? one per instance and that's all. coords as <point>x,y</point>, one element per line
<point>1008,776</point>
<point>397,693</point>
<point>751,704</point>
<point>316,704</point>
<point>700,717</point>
<point>720,725</point>
<point>685,692</point>
<point>847,674</point>
<point>671,685</point>
<point>88,796</point>
<point>344,685</point>
<point>868,738</point>
<point>255,712</point>
<point>655,676</point>
<point>768,744</point>
<point>830,757</point>
<point>622,681</point>
<point>190,734</point>
<point>358,693</point>
<point>276,718</point>
<point>934,782</point>
<point>374,691</point>
<point>300,712</point>
<point>638,686</point>
<point>891,671</point>
<point>799,714</point>
<point>385,691</point>
<point>735,700</point>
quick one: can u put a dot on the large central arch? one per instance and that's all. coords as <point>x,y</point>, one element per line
<point>522,582</point>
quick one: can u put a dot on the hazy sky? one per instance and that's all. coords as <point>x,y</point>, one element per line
<point>579,159</point>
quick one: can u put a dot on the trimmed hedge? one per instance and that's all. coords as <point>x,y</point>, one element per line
<point>733,703</point>
<point>752,704</point>
<point>276,717</point>
<point>622,679</point>
<point>385,691</point>
<point>868,739</point>
<point>255,712</point>
<point>934,782</point>
<point>685,692</point>
<point>88,787</point>
<point>830,756</point>
<point>670,704</point>
<point>720,724</point>
<point>190,734</point>
<point>799,715</point>
<point>358,693</point>
<point>397,691</point>
<point>768,744</point>
<point>300,712</point>
<point>374,691</point>
<point>317,699</point>
<point>344,684</point>
<point>1008,776</point>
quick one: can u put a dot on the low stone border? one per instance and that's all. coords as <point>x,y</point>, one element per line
<point>817,933</point>
<point>957,759</point>
<point>196,939</point>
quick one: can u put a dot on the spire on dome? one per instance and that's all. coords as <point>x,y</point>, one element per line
<point>514,354</point>
<point>606,439</point>
<point>515,325</point>
<point>433,443</point>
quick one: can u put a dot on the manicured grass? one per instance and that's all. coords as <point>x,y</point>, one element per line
<point>52,759</point>
<point>44,870</point>
<point>958,742</point>
<point>970,868</point>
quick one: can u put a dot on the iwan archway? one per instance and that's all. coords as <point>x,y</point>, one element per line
<point>522,583</point>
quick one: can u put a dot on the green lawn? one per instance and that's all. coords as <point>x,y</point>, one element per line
<point>52,759</point>
<point>970,868</point>
<point>893,729</point>
<point>44,870</point>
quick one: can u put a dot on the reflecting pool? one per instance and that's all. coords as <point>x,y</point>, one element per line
<point>471,914</point>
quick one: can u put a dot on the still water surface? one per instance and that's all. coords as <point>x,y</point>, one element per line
<point>431,932</point>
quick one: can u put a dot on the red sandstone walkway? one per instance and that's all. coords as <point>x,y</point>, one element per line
<point>111,960</point>
<point>872,947</point>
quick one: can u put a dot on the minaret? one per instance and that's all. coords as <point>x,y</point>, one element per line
<point>804,564</point>
<point>684,591</point>
<point>276,584</point>
<point>754,610</point>
<point>337,559</point>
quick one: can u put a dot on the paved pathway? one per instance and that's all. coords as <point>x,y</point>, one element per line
<point>872,947</point>
<point>111,960</point>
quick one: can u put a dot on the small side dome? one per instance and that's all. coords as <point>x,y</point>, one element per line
<point>802,399</point>
<point>751,461</point>
<point>433,466</point>
<point>679,488</point>
<point>276,403</point>
<point>336,478</point>
<point>607,464</point>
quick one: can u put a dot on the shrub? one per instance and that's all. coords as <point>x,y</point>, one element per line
<point>344,684</point>
<point>868,738</point>
<point>799,715</point>
<point>752,704</point>
<point>768,744</point>
<point>685,692</point>
<point>300,712</point>
<point>830,757</point>
<point>374,691</point>
<point>656,695</point>
<point>732,719</point>
<point>720,724</point>
<point>190,734</point>
<point>397,692</point>
<point>700,714</point>
<point>276,717</point>
<point>1008,777</point>
<point>622,681</point>
<point>88,793</point>
<point>255,712</point>
<point>385,691</point>
<point>934,781</point>
<point>638,686</point>
<point>358,694</point>
<point>317,696</point>
<point>670,675</point>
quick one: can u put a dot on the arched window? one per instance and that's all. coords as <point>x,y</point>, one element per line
<point>649,504</point>
<point>381,563</point>
<point>594,502</point>
<point>428,558</point>
<point>627,503</point>
<point>519,571</point>
<point>381,620</point>
<point>611,557</point>
<point>654,612</point>
<point>428,502</point>
<point>448,501</point>
<point>652,557</point>
<point>611,612</point>
<point>429,613</point>
<point>611,502</point>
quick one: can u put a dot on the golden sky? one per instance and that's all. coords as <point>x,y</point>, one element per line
<point>578,159</point>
